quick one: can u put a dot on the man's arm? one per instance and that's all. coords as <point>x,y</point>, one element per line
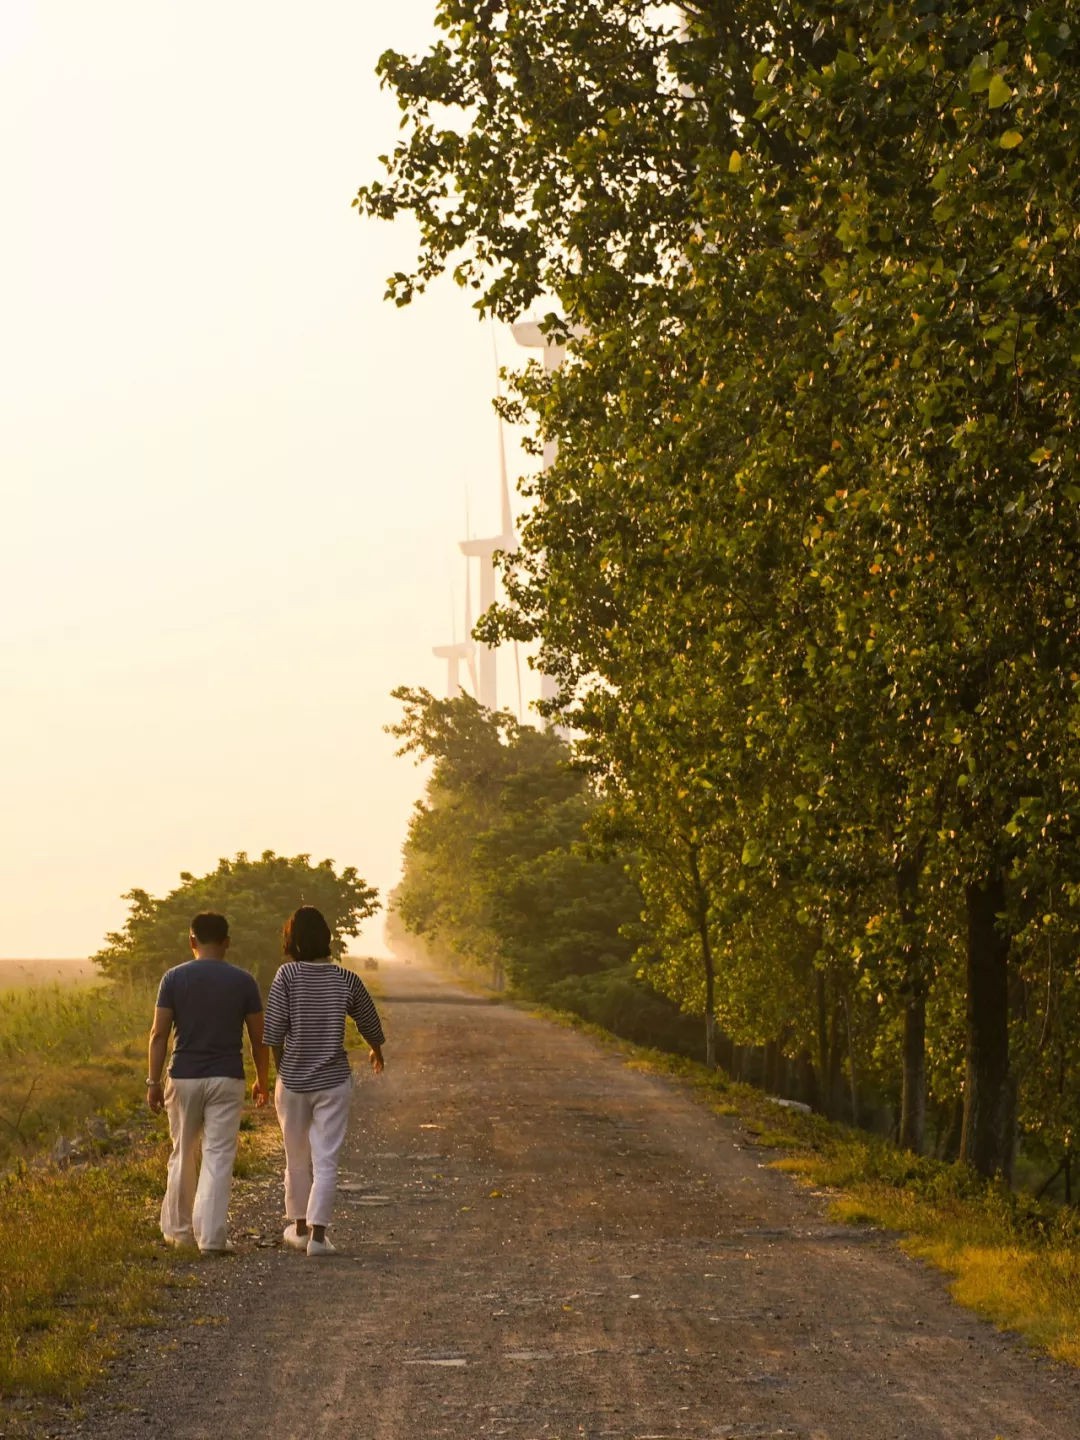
<point>260,1054</point>
<point>155,1062</point>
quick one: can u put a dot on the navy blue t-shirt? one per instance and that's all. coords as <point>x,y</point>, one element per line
<point>210,1000</point>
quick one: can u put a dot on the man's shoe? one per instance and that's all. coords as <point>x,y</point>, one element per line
<point>227,1249</point>
<point>180,1242</point>
<point>294,1239</point>
<point>320,1247</point>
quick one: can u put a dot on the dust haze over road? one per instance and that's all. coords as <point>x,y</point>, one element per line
<point>539,1242</point>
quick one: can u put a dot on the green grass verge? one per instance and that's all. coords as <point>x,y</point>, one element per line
<point>67,1053</point>
<point>77,1260</point>
<point>1011,1259</point>
<point>82,1260</point>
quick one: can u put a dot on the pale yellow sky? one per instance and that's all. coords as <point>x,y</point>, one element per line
<point>232,477</point>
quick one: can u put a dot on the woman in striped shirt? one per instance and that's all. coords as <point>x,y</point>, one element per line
<point>304,1025</point>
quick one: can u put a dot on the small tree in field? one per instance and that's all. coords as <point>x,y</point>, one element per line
<point>256,896</point>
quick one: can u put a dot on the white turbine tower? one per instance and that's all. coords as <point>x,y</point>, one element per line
<point>484,550</point>
<point>459,651</point>
<point>529,334</point>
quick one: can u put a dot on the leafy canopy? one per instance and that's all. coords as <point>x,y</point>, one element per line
<point>255,896</point>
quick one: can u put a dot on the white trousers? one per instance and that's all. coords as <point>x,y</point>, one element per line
<point>202,1113</point>
<point>313,1125</point>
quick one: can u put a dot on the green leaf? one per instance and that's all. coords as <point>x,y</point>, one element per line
<point>1000,93</point>
<point>1011,139</point>
<point>734,163</point>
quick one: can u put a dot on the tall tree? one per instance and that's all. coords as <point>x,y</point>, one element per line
<point>818,439</point>
<point>498,870</point>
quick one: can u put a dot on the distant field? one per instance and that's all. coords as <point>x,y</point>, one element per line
<point>19,974</point>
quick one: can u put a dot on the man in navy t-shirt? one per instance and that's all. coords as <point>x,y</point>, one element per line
<point>209,1003</point>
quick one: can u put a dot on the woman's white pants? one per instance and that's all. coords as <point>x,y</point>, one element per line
<point>313,1125</point>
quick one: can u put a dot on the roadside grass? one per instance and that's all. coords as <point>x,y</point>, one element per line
<point>82,1261</point>
<point>77,1260</point>
<point>1011,1259</point>
<point>66,1053</point>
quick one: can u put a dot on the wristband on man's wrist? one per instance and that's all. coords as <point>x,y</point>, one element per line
<point>152,1084</point>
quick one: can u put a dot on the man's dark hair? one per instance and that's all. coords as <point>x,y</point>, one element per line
<point>210,928</point>
<point>306,935</point>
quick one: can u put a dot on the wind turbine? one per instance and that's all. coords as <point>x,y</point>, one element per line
<point>484,550</point>
<point>528,333</point>
<point>459,650</point>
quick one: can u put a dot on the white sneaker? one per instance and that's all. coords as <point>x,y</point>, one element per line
<point>227,1249</point>
<point>294,1239</point>
<point>320,1247</point>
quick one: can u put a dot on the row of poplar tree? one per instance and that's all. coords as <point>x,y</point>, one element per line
<point>805,568</point>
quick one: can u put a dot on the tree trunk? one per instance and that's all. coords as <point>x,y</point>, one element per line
<point>822,1042</point>
<point>773,1059</point>
<point>913,1091</point>
<point>710,1038</point>
<point>948,1147</point>
<point>807,1090</point>
<point>725,1052</point>
<point>835,1074</point>
<point>702,916</point>
<point>852,1066</point>
<point>989,1092</point>
<point>916,988</point>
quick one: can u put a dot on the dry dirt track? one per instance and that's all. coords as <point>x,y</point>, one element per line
<point>542,1243</point>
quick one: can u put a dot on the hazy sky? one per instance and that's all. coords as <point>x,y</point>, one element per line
<point>233,477</point>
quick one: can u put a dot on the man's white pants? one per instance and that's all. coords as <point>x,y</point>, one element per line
<point>313,1125</point>
<point>201,1112</point>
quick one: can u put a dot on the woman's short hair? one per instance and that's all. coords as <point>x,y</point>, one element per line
<point>306,935</point>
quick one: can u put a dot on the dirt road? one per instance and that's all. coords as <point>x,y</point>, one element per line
<point>538,1243</point>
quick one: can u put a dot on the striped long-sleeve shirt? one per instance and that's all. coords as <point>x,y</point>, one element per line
<point>306,1011</point>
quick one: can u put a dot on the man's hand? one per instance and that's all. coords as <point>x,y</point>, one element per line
<point>260,1094</point>
<point>376,1061</point>
<point>155,1098</point>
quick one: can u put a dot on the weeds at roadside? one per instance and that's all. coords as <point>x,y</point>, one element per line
<point>81,1260</point>
<point>67,1053</point>
<point>77,1259</point>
